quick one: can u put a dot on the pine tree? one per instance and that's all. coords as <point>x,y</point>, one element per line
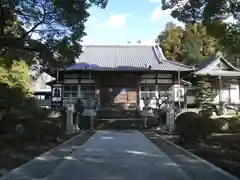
<point>203,90</point>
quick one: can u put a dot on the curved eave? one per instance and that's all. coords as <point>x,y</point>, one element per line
<point>219,73</point>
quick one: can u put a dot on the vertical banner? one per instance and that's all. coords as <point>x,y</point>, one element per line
<point>56,100</point>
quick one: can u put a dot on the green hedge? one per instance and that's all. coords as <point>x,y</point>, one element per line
<point>43,129</point>
<point>193,127</point>
<point>229,125</point>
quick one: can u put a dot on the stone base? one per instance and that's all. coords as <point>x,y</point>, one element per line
<point>85,122</point>
<point>71,129</point>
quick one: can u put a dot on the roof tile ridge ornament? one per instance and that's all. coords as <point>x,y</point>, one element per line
<point>219,54</point>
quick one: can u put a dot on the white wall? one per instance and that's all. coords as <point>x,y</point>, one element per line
<point>153,104</point>
<point>234,94</point>
<point>172,89</point>
<point>40,83</point>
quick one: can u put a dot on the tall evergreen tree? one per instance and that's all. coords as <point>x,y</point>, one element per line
<point>170,41</point>
<point>213,14</point>
<point>190,45</point>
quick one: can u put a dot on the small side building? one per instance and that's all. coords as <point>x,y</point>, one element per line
<point>223,78</point>
<point>42,91</point>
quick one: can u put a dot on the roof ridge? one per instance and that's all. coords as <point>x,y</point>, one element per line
<point>178,63</point>
<point>228,63</point>
<point>121,57</point>
<point>156,54</point>
<point>118,45</point>
<point>163,58</point>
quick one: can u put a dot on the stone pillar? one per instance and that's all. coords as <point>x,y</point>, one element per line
<point>77,122</point>
<point>170,120</point>
<point>70,127</point>
<point>146,111</point>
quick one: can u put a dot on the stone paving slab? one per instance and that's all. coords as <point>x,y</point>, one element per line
<point>118,155</point>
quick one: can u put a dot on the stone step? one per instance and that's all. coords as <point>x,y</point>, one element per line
<point>118,114</point>
<point>113,123</point>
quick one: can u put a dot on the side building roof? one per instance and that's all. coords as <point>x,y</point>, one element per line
<point>217,66</point>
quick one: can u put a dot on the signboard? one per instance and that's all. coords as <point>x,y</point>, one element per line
<point>70,107</point>
<point>56,95</point>
<point>178,93</point>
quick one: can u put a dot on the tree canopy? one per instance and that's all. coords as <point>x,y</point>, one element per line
<point>213,14</point>
<point>42,32</point>
<point>171,41</point>
<point>45,30</point>
<point>190,45</point>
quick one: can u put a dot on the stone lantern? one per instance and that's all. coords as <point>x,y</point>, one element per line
<point>147,110</point>
<point>70,127</point>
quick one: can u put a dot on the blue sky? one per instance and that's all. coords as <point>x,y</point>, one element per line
<point>126,20</point>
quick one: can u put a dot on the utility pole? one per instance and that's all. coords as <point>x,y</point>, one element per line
<point>179,89</point>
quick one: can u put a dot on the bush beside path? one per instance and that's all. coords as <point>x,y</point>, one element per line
<point>14,155</point>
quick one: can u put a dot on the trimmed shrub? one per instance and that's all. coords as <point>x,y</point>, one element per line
<point>234,124</point>
<point>206,112</point>
<point>193,127</point>
<point>9,121</point>
<point>44,129</point>
<point>229,125</point>
<point>220,125</point>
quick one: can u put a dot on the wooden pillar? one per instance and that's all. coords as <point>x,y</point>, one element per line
<point>97,80</point>
<point>138,90</point>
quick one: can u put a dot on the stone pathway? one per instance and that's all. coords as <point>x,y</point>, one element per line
<point>117,155</point>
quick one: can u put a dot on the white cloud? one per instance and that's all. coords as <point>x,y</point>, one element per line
<point>231,20</point>
<point>163,16</point>
<point>117,21</point>
<point>158,13</point>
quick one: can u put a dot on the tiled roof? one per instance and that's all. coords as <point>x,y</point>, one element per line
<point>207,67</point>
<point>40,84</point>
<point>206,63</point>
<point>125,57</point>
